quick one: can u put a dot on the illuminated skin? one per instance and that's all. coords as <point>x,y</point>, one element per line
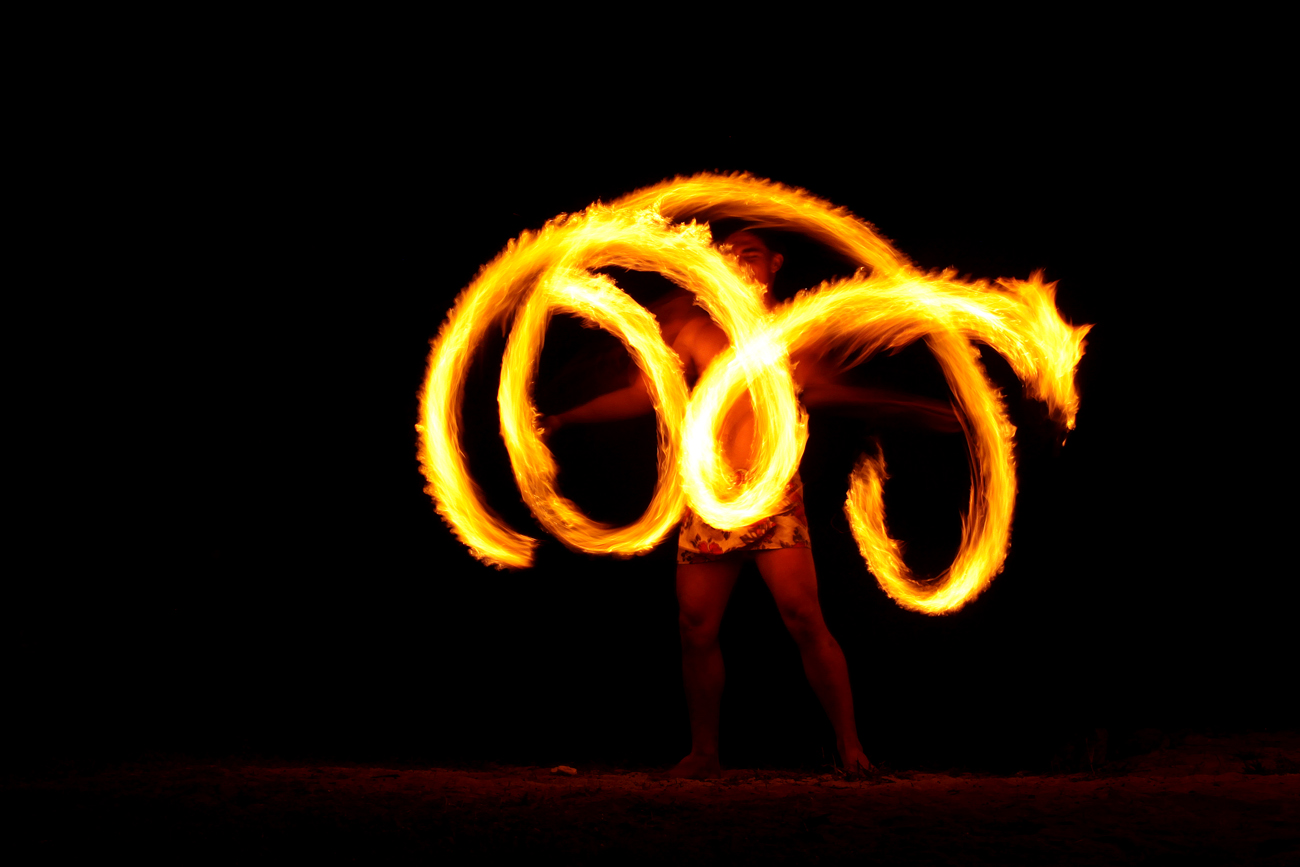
<point>703,589</point>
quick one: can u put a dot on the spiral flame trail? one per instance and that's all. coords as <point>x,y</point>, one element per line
<point>887,305</point>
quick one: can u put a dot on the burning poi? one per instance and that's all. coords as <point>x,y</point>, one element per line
<point>887,305</point>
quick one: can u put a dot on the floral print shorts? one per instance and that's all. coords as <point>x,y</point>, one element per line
<point>699,542</point>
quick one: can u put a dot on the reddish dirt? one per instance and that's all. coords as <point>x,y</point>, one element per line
<point>1231,800</point>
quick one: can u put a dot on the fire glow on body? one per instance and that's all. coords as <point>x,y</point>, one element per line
<point>887,305</point>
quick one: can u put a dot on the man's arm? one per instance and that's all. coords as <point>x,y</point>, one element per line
<point>696,343</point>
<point>616,405</point>
<point>832,395</point>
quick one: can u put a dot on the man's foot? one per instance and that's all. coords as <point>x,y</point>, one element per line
<point>856,764</point>
<point>695,767</point>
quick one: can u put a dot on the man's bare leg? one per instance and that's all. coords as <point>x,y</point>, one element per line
<point>792,578</point>
<point>702,593</point>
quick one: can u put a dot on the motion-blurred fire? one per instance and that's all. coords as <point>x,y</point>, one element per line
<point>887,305</point>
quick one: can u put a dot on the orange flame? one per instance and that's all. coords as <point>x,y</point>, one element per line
<point>888,304</point>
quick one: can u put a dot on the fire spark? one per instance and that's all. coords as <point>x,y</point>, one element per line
<point>887,305</point>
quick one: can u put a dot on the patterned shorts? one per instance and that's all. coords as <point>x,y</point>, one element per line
<point>699,542</point>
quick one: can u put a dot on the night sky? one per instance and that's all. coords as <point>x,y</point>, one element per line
<point>288,589</point>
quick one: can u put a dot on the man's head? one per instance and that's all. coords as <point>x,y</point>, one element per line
<point>755,255</point>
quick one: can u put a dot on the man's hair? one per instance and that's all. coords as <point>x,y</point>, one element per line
<point>773,239</point>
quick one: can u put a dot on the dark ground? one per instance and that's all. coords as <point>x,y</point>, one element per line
<point>1206,800</point>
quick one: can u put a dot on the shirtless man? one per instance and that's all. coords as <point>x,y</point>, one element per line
<point>705,581</point>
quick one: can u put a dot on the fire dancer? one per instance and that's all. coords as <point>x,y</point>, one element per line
<point>709,560</point>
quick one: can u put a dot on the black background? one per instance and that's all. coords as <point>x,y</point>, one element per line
<point>276,582</point>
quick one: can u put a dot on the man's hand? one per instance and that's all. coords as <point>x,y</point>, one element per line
<point>549,424</point>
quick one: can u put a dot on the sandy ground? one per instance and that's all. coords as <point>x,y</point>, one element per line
<point>1228,800</point>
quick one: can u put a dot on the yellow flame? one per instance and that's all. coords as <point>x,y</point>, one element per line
<point>596,299</point>
<point>888,304</point>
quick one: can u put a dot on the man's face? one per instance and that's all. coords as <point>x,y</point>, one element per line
<point>754,255</point>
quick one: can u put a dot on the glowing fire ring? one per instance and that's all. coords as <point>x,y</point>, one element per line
<point>890,306</point>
